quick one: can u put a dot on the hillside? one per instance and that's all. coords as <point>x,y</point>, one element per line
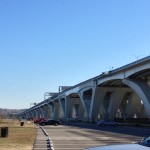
<point>9,112</point>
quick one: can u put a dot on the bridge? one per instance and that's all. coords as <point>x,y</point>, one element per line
<point>120,93</point>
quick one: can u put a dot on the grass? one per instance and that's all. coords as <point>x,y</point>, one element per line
<point>19,137</point>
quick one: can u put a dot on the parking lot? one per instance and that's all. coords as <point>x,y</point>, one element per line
<point>79,136</point>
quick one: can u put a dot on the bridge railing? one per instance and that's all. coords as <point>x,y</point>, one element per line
<point>131,64</point>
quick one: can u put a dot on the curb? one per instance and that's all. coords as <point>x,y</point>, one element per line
<point>49,141</point>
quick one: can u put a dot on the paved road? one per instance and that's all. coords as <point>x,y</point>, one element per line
<point>80,136</point>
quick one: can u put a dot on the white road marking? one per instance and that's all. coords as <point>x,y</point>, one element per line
<point>106,138</point>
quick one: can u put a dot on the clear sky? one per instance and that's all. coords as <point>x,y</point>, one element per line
<point>45,44</point>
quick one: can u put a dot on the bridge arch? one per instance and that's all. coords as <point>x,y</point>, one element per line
<point>74,107</point>
<point>143,91</point>
<point>111,100</point>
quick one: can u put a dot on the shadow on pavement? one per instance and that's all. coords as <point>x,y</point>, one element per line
<point>141,132</point>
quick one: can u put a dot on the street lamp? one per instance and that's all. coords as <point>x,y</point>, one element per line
<point>137,57</point>
<point>32,104</point>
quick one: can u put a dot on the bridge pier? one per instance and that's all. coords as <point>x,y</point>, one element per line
<point>142,89</point>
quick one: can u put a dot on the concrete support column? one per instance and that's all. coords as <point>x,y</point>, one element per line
<point>42,111</point>
<point>57,110</point>
<point>46,111</point>
<point>143,91</point>
<point>22,116</point>
<point>35,113</point>
<point>97,99</point>
<point>85,107</point>
<point>86,96</point>
<point>131,108</point>
<point>135,107</point>
<point>38,112</point>
<point>63,106</point>
<point>52,108</point>
<point>27,115</point>
<point>70,105</point>
<point>116,98</point>
<point>83,114</point>
<point>49,111</point>
<point>68,111</point>
<point>31,115</point>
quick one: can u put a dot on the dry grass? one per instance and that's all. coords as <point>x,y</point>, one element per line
<point>19,137</point>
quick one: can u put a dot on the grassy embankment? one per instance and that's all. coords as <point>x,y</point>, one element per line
<point>19,137</point>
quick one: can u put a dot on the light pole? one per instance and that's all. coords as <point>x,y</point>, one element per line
<point>137,57</point>
<point>110,68</point>
<point>32,104</point>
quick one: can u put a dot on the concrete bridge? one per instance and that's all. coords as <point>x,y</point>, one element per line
<point>122,93</point>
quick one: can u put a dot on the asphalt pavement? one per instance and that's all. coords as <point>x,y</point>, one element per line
<point>77,136</point>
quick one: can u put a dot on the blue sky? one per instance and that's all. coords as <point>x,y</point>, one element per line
<point>45,44</point>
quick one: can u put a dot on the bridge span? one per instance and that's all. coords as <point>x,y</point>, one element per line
<point>120,93</point>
